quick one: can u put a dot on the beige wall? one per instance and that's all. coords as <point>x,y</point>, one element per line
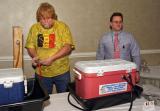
<point>88,20</point>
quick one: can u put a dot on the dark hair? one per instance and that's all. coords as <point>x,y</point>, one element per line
<point>116,14</point>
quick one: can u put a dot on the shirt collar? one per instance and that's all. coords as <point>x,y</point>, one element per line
<point>117,32</point>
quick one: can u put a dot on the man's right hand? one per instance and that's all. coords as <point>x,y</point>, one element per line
<point>137,77</point>
<point>35,61</point>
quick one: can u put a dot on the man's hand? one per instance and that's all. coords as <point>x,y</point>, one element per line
<point>137,77</point>
<point>35,61</point>
<point>46,62</point>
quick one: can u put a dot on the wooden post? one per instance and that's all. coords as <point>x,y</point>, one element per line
<point>17,47</point>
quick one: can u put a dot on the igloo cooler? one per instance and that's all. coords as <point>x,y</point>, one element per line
<point>103,77</point>
<point>11,86</point>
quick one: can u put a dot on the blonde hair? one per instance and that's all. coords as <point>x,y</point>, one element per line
<point>45,10</point>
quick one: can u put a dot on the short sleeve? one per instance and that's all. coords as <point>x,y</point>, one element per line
<point>31,40</point>
<point>67,36</point>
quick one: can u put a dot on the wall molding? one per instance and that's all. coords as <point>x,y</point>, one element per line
<point>152,51</point>
<point>80,55</point>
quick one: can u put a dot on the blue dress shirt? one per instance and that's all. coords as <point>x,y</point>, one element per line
<point>129,48</point>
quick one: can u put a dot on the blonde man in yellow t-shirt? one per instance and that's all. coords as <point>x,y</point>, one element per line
<point>49,43</point>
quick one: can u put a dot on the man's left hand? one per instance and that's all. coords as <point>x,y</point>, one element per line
<point>46,62</point>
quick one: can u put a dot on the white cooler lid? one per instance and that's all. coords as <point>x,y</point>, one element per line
<point>11,74</point>
<point>97,66</point>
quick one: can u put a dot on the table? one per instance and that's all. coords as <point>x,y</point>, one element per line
<point>59,102</point>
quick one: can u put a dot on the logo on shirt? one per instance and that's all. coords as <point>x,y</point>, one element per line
<point>40,40</point>
<point>46,40</point>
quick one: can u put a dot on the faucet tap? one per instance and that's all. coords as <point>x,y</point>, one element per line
<point>144,66</point>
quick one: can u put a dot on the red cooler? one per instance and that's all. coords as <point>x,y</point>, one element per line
<point>103,77</point>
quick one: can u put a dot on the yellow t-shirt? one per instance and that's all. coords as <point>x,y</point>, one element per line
<point>47,42</point>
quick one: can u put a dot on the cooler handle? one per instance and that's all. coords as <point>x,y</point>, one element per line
<point>8,84</point>
<point>25,84</point>
<point>79,74</point>
<point>129,70</point>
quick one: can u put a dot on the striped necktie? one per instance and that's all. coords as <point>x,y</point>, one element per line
<point>116,46</point>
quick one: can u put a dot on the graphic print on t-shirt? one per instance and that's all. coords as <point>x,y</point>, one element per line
<point>40,40</point>
<point>46,40</point>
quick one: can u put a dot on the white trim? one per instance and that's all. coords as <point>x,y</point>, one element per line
<point>6,58</point>
<point>152,51</point>
<point>80,55</point>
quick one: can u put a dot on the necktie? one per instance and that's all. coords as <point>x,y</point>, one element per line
<point>116,47</point>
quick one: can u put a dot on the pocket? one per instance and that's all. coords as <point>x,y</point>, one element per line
<point>125,51</point>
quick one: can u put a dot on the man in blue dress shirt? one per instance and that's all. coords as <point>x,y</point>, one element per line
<point>126,46</point>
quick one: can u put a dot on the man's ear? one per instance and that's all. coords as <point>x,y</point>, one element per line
<point>110,25</point>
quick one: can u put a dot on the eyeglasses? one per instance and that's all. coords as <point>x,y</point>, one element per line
<point>117,22</point>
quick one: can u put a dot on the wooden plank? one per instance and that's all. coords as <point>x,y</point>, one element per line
<point>17,47</point>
